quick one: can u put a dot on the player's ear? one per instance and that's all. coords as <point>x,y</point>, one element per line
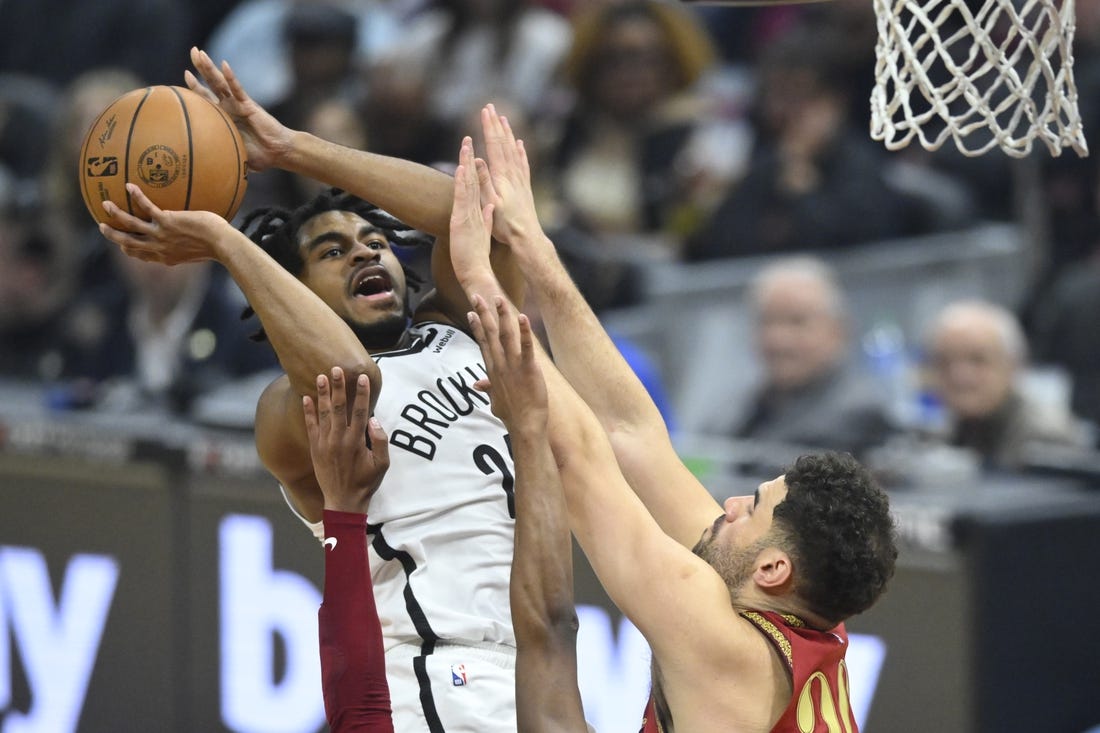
<point>773,568</point>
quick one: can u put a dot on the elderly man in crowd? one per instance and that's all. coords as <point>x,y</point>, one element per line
<point>977,352</point>
<point>811,394</point>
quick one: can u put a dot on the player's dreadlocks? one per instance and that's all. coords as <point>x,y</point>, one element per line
<point>275,230</point>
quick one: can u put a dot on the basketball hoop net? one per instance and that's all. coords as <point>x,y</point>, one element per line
<point>985,73</point>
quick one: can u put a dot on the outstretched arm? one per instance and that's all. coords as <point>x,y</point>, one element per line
<point>349,471</point>
<point>541,590</point>
<point>683,609</point>
<point>676,600</point>
<point>416,194</point>
<point>543,615</point>
<point>584,352</point>
<point>306,334</point>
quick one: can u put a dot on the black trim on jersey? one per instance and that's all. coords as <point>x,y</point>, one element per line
<point>420,623</point>
<point>427,702</point>
<point>420,343</point>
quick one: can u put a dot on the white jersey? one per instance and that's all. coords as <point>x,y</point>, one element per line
<point>441,524</point>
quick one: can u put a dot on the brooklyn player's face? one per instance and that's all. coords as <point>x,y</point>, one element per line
<point>349,264</point>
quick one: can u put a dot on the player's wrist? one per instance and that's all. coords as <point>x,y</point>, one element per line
<point>347,505</point>
<point>334,517</point>
<point>478,278</point>
<point>223,247</point>
<point>296,152</point>
<point>528,428</point>
<point>543,269</point>
<point>532,242</point>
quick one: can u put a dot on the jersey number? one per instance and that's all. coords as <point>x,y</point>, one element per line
<point>490,461</point>
<point>834,710</point>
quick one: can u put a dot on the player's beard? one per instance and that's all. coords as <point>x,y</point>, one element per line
<point>733,564</point>
<point>382,335</point>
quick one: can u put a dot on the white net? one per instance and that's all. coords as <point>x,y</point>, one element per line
<point>995,73</point>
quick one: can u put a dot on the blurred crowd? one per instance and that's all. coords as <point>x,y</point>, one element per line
<point>660,134</point>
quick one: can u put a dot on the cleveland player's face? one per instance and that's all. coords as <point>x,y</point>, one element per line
<point>731,544</point>
<point>349,264</point>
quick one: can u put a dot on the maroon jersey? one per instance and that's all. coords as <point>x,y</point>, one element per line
<point>815,659</point>
<point>819,674</point>
<point>650,724</point>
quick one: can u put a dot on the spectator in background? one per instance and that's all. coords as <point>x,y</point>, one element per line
<point>325,88</point>
<point>68,226</point>
<point>28,106</point>
<point>1064,334</point>
<point>631,159</point>
<point>811,395</point>
<point>336,119</point>
<point>460,53</point>
<point>399,117</point>
<point>57,40</point>
<point>606,280</point>
<point>320,39</point>
<point>815,181</point>
<point>34,284</point>
<point>160,339</point>
<point>252,38</point>
<point>1070,201</point>
<point>977,354</point>
<point>51,249</point>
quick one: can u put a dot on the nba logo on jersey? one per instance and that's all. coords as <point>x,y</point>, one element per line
<point>458,675</point>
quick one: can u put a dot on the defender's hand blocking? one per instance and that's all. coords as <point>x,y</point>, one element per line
<point>515,218</point>
<point>516,386</point>
<point>471,221</point>
<point>348,468</point>
<point>168,237</point>
<point>265,138</point>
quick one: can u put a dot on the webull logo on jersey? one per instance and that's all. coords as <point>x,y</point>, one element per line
<point>439,344</point>
<point>424,420</point>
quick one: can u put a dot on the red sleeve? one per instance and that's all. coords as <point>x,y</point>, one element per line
<point>353,666</point>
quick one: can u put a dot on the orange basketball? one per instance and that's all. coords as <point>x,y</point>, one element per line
<point>181,150</point>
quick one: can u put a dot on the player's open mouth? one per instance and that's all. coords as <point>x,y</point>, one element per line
<point>371,282</point>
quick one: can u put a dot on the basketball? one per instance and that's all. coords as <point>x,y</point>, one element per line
<point>181,150</point>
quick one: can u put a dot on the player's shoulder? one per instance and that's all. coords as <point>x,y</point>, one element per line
<point>274,402</point>
<point>280,431</point>
<point>721,638</point>
<point>276,390</point>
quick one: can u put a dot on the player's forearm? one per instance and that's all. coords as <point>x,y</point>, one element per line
<point>583,351</point>
<point>353,666</point>
<point>548,697</point>
<point>543,613</point>
<point>644,462</point>
<point>597,372</point>
<point>604,514</point>
<point>308,337</point>
<point>416,194</point>
<point>473,269</point>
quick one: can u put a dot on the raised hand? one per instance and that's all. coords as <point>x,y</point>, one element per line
<point>350,458</point>
<point>516,385</point>
<point>471,222</point>
<point>266,139</point>
<point>167,237</point>
<point>508,181</point>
